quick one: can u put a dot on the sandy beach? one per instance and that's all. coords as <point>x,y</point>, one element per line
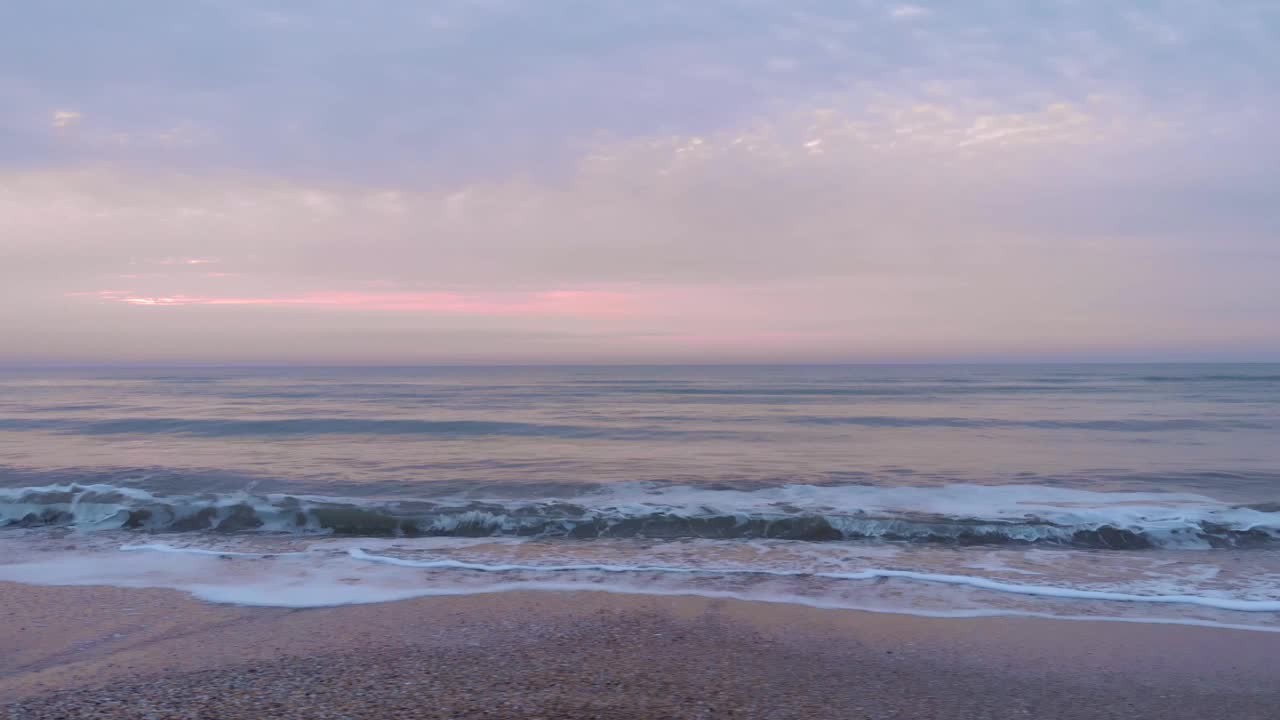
<point>105,652</point>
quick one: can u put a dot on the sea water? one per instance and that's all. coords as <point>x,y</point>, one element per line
<point>1143,493</point>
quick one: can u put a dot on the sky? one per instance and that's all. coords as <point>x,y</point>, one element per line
<point>541,181</point>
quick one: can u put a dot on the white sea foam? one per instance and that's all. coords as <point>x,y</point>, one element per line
<point>1000,567</point>
<point>360,554</point>
<point>980,583</point>
<point>1163,513</point>
<point>163,548</point>
<point>318,579</point>
<point>332,597</point>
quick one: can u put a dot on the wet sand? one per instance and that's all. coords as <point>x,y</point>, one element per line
<point>113,653</point>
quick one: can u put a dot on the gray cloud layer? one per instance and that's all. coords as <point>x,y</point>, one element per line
<point>500,181</point>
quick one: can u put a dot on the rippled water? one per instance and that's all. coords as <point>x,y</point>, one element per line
<point>1135,491</point>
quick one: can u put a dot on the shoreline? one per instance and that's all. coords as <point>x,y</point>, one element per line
<point>596,654</point>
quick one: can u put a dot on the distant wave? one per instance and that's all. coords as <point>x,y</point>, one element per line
<point>923,390</point>
<point>448,429</point>
<point>1130,425</point>
<point>959,515</point>
<point>687,392</point>
<point>340,426</point>
<point>1242,377</point>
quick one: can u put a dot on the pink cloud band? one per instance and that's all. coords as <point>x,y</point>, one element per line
<point>552,302</point>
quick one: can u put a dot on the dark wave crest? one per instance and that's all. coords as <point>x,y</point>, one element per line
<point>108,507</point>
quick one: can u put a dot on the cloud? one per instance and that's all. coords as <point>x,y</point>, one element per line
<point>632,210</point>
<point>781,64</point>
<point>907,12</point>
<point>61,119</point>
<point>555,302</point>
<point>159,98</point>
<point>753,180</point>
<point>904,228</point>
<point>187,261</point>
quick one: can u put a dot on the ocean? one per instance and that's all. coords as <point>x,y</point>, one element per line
<point>1136,493</point>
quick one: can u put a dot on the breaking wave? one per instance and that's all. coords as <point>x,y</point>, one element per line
<point>956,515</point>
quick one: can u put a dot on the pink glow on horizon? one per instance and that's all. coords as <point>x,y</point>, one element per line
<point>757,340</point>
<point>188,261</point>
<point>552,302</point>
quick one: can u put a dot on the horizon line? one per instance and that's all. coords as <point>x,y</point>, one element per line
<point>407,366</point>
